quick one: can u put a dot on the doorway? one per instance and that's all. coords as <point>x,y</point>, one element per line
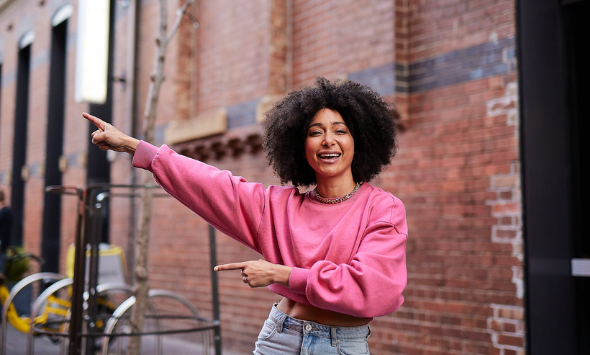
<point>553,77</point>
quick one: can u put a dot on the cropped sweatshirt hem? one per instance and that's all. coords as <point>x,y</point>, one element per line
<point>347,257</point>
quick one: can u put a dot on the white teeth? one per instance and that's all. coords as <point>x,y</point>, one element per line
<point>329,155</point>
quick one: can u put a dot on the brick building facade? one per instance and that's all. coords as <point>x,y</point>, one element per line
<point>449,66</point>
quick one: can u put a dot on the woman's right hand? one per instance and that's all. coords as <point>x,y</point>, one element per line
<point>108,137</point>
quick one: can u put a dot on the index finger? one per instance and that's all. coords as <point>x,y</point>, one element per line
<point>231,266</point>
<point>100,124</point>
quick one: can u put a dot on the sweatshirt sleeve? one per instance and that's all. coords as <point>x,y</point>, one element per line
<point>229,203</point>
<point>371,284</point>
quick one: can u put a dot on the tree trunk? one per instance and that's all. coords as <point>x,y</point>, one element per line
<point>141,286</point>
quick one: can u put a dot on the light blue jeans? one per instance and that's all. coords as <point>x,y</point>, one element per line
<point>284,335</point>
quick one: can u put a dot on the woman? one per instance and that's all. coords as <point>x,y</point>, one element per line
<point>336,254</point>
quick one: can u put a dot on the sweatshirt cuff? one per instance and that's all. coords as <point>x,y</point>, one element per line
<point>298,280</point>
<point>144,155</point>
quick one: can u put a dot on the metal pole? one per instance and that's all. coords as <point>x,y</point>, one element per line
<point>215,289</point>
<point>79,275</point>
<point>85,198</point>
<point>94,232</point>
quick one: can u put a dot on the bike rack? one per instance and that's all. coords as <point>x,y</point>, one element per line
<point>87,300</point>
<point>38,305</point>
<point>15,290</point>
<point>43,297</point>
<point>125,306</point>
<point>80,327</point>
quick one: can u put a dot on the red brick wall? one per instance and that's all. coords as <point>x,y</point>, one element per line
<point>461,167</point>
<point>448,65</point>
<point>15,21</point>
<point>232,52</point>
<point>334,38</point>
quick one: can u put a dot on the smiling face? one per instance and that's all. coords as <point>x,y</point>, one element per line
<point>329,147</point>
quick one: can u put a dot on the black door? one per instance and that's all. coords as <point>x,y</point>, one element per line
<point>553,80</point>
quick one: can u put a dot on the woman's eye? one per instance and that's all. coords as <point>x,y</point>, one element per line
<point>315,133</point>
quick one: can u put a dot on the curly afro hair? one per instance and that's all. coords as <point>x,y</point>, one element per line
<point>368,117</point>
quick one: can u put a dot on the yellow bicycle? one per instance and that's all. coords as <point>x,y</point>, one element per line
<point>53,307</point>
<point>50,313</point>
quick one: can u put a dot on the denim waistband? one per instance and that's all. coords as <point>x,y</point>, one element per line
<point>282,321</point>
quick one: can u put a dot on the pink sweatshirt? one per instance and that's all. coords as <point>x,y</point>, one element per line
<point>348,257</point>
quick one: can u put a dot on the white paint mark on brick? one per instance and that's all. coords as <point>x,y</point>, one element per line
<point>507,320</point>
<point>517,280</point>
<point>493,37</point>
<point>505,104</point>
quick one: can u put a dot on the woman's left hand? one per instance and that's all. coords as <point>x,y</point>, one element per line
<point>260,273</point>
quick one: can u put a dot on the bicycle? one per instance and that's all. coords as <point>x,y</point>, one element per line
<point>51,311</point>
<point>54,307</point>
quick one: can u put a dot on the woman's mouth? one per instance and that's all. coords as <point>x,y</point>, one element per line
<point>329,157</point>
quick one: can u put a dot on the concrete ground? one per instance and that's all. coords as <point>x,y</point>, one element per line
<point>17,345</point>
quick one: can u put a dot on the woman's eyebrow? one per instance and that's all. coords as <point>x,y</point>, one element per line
<point>319,124</point>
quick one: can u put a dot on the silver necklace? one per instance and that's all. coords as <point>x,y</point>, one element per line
<point>336,199</point>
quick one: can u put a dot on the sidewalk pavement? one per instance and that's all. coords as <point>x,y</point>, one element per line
<point>17,345</point>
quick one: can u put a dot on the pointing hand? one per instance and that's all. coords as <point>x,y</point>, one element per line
<point>259,273</point>
<point>108,137</point>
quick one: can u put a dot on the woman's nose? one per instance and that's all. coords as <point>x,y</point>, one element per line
<point>328,139</point>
